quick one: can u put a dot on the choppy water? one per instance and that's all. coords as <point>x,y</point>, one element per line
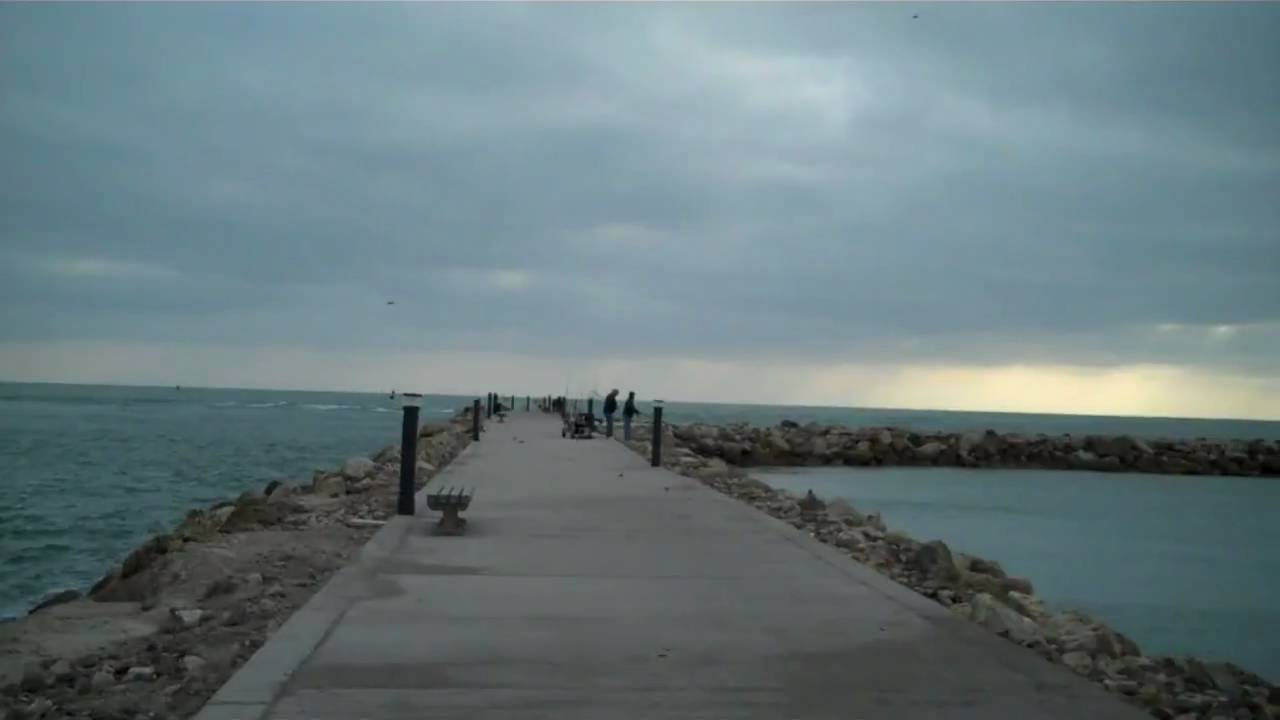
<point>1183,565</point>
<point>89,472</point>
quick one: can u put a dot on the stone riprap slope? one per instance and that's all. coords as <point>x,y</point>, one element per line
<point>792,444</point>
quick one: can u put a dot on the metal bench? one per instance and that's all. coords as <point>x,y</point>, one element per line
<point>450,502</point>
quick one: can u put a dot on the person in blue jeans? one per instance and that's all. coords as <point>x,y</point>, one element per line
<point>629,410</point>
<point>610,407</point>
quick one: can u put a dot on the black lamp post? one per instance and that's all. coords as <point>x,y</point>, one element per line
<point>656,432</point>
<point>408,452</point>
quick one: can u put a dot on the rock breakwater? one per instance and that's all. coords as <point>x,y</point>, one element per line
<point>791,444</point>
<point>158,635</point>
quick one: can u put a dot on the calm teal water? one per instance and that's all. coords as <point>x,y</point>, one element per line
<point>1183,565</point>
<point>91,471</point>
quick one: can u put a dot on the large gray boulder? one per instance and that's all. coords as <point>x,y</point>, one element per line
<point>840,510</point>
<point>327,485</point>
<point>1002,619</point>
<point>933,560</point>
<point>930,450</point>
<point>861,454</point>
<point>358,467</point>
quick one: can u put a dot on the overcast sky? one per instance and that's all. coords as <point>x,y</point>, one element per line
<point>1061,207</point>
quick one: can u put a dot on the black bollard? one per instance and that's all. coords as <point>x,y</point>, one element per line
<point>513,403</point>
<point>408,454</point>
<point>475,419</point>
<point>591,414</point>
<point>656,431</point>
<point>488,405</point>
<point>528,402</point>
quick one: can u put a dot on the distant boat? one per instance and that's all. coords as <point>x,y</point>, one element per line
<point>177,387</point>
<point>393,394</point>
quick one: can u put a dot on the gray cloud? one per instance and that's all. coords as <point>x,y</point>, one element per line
<point>1079,184</point>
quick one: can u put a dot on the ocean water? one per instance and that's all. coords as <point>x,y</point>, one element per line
<point>90,471</point>
<point>1183,565</point>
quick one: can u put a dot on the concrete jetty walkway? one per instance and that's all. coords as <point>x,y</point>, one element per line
<point>591,586</point>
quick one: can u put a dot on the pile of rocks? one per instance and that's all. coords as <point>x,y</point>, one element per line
<point>979,590</point>
<point>161,632</point>
<point>794,444</point>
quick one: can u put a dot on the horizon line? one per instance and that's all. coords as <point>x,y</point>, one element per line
<point>667,402</point>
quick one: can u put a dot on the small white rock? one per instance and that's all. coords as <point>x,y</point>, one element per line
<point>357,467</point>
<point>102,680</point>
<point>193,664</point>
<point>140,673</point>
<point>39,707</point>
<point>188,618</point>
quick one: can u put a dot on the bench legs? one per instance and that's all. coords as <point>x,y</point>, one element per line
<point>450,523</point>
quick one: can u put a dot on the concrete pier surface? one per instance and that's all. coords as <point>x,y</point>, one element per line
<point>589,585</point>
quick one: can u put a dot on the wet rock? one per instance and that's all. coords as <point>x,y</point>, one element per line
<point>56,598</point>
<point>272,487</point>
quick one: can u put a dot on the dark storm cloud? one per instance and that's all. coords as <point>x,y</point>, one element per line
<point>990,183</point>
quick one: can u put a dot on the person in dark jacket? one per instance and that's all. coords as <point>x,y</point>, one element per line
<point>610,407</point>
<point>629,410</point>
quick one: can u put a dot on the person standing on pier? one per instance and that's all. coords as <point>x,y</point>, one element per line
<point>610,407</point>
<point>629,410</point>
